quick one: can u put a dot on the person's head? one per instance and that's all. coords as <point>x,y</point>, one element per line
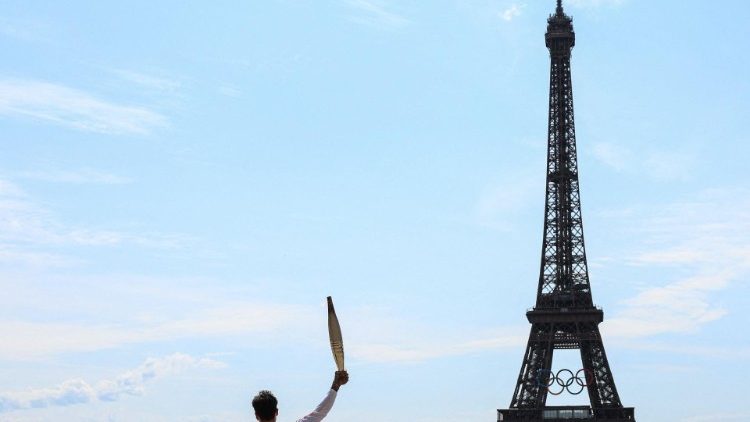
<point>265,408</point>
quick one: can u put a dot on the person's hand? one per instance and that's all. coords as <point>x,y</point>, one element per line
<point>339,379</point>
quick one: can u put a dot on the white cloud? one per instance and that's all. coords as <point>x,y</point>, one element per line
<point>705,240</point>
<point>74,108</point>
<point>382,336</point>
<point>9,189</point>
<point>33,259</point>
<point>730,352</point>
<point>419,350</point>
<point>134,381</point>
<point>25,30</point>
<point>371,336</point>
<point>511,12</point>
<point>230,91</point>
<point>32,340</point>
<point>501,204</point>
<point>665,368</point>
<point>662,165</point>
<point>148,81</point>
<point>375,13</point>
<point>78,391</point>
<point>613,155</point>
<point>24,223</point>
<point>80,176</point>
<point>220,417</point>
<point>670,165</point>
<point>679,307</point>
<point>718,417</point>
<point>593,3</point>
<point>709,239</point>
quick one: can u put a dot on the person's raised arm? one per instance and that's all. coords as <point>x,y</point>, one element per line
<point>320,412</point>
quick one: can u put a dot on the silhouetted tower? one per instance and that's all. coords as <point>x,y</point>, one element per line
<point>564,316</point>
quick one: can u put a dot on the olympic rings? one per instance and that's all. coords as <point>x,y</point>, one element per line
<point>563,380</point>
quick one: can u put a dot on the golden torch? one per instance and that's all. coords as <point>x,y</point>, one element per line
<point>334,334</point>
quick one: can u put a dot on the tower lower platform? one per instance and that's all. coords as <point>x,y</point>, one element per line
<point>567,414</point>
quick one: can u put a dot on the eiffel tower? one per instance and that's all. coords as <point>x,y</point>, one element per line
<point>564,316</point>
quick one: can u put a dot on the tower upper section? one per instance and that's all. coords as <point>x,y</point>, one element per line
<point>563,279</point>
<point>560,36</point>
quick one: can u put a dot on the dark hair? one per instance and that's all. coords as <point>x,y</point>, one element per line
<point>265,405</point>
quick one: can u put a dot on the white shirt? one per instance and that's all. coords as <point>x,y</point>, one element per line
<point>322,410</point>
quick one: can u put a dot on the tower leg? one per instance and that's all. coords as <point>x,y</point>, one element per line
<point>602,391</point>
<point>538,357</point>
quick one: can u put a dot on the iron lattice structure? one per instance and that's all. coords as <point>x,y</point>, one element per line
<point>564,316</point>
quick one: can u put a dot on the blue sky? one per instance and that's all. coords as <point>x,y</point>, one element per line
<point>183,183</point>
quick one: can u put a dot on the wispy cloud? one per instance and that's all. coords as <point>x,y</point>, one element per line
<point>382,336</point>
<point>374,336</point>
<point>79,176</point>
<point>709,239</point>
<point>130,383</point>
<point>718,417</point>
<point>77,109</point>
<point>33,259</point>
<point>419,351</point>
<point>512,12</point>
<point>670,165</point>
<point>613,155</point>
<point>31,340</point>
<point>663,165</point>
<point>666,368</point>
<point>22,221</point>
<point>594,3</point>
<point>721,352</point>
<point>679,307</point>
<point>376,14</point>
<point>502,203</point>
<point>148,81</point>
<point>230,91</point>
<point>24,30</point>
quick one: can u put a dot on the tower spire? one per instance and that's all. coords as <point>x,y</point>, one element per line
<point>559,7</point>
